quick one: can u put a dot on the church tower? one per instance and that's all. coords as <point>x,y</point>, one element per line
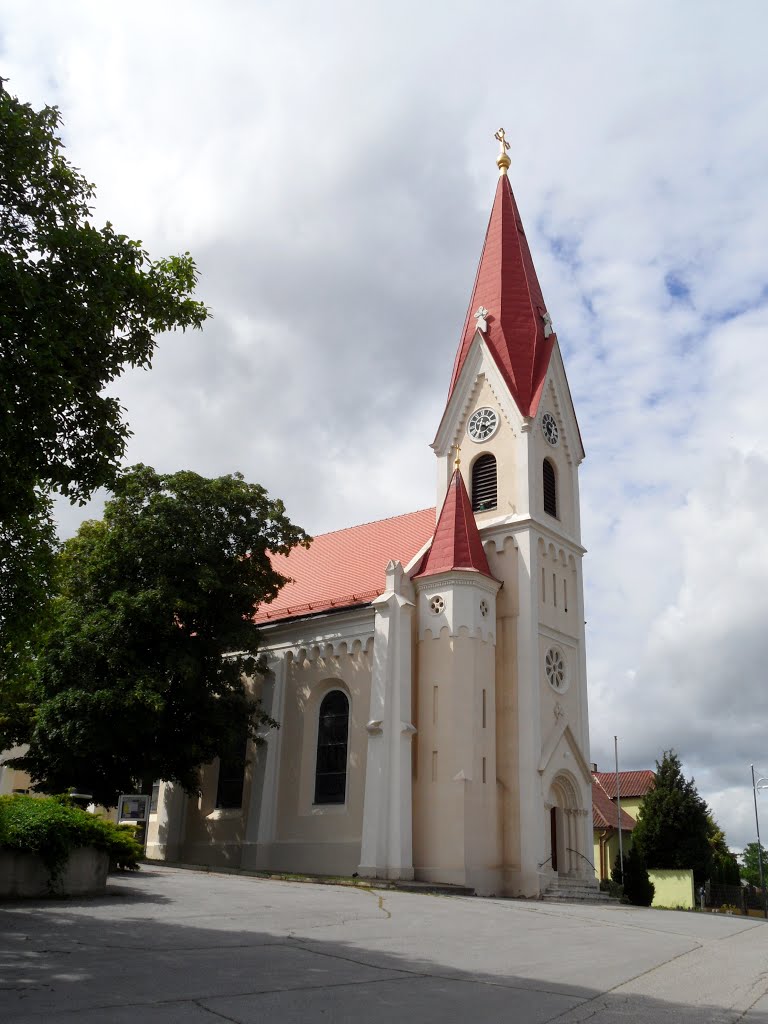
<point>510,411</point>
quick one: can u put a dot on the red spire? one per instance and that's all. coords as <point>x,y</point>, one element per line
<point>456,544</point>
<point>507,286</point>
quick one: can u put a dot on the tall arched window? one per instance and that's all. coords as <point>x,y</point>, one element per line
<point>484,483</point>
<point>550,488</point>
<point>332,730</point>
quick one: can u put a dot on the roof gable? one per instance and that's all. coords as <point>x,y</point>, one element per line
<point>604,811</point>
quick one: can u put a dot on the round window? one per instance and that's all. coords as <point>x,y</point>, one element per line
<point>436,604</point>
<point>554,667</point>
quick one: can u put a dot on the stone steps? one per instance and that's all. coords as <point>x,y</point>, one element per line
<point>575,890</point>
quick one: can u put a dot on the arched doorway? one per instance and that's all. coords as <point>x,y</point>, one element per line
<point>565,840</point>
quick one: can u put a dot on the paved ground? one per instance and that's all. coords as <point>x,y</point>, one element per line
<point>173,946</point>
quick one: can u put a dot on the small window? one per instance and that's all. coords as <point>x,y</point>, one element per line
<point>484,483</point>
<point>550,489</point>
<point>332,730</point>
<point>229,792</point>
<point>154,798</point>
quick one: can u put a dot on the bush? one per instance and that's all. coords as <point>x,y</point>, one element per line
<point>638,888</point>
<point>52,827</point>
<point>613,888</point>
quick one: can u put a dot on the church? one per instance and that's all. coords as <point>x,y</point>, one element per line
<point>428,671</point>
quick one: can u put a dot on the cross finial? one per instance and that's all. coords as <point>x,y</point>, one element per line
<point>457,460</point>
<point>480,315</point>
<point>502,160</point>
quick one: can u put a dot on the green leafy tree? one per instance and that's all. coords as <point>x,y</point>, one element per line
<point>638,888</point>
<point>139,672</point>
<point>78,304</point>
<point>673,829</point>
<point>750,864</point>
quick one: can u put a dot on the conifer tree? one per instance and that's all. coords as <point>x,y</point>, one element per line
<point>638,888</point>
<point>673,827</point>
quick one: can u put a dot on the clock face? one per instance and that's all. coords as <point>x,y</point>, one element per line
<point>482,424</point>
<point>549,426</point>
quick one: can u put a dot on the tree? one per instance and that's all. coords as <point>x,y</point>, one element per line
<point>638,888</point>
<point>672,829</point>
<point>750,864</point>
<point>725,866</point>
<point>77,305</point>
<point>139,672</point>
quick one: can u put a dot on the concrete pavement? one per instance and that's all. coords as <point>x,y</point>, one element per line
<point>168,945</point>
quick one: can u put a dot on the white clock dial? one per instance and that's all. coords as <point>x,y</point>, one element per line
<point>482,424</point>
<point>549,427</point>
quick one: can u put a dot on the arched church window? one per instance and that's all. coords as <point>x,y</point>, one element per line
<point>484,483</point>
<point>332,731</point>
<point>229,788</point>
<point>550,489</point>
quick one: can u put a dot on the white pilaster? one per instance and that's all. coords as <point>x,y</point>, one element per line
<point>386,849</point>
<point>171,823</point>
<point>261,824</point>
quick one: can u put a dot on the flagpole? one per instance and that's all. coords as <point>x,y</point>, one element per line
<point>759,847</point>
<point>618,808</point>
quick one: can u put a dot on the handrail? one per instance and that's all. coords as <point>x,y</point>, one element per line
<point>570,850</point>
<point>545,861</point>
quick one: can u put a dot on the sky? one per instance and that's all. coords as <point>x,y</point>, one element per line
<point>330,166</point>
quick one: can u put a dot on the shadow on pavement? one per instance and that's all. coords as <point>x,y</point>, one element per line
<point>59,967</point>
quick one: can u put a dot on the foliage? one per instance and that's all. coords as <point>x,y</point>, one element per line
<point>51,828</point>
<point>77,305</point>
<point>673,829</point>
<point>725,866</point>
<point>139,673</point>
<point>637,886</point>
<point>613,887</point>
<point>750,864</point>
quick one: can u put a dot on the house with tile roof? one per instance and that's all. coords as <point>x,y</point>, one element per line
<point>609,813</point>
<point>428,670</point>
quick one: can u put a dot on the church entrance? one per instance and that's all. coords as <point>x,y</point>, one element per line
<point>565,840</point>
<point>553,837</point>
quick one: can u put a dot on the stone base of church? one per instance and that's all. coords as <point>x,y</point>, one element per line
<point>389,874</point>
<point>302,857</point>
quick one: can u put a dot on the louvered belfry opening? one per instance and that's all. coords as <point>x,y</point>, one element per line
<point>484,483</point>
<point>550,489</point>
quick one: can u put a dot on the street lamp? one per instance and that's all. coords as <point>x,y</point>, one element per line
<point>757,785</point>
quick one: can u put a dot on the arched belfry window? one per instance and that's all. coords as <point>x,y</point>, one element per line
<point>550,488</point>
<point>332,731</point>
<point>484,483</point>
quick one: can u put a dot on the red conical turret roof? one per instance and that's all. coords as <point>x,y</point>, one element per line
<point>456,544</point>
<point>506,285</point>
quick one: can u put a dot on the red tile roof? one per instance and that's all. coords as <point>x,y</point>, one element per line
<point>631,783</point>
<point>604,811</point>
<point>346,567</point>
<point>456,544</point>
<point>506,284</point>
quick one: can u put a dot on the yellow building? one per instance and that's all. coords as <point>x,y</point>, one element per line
<point>632,788</point>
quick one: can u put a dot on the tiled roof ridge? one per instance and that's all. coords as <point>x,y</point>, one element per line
<point>373,522</point>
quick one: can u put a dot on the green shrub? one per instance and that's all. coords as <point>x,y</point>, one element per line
<point>638,888</point>
<point>52,827</point>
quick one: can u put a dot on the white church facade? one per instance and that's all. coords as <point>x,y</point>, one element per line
<point>428,671</point>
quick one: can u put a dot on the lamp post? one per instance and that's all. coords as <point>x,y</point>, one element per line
<point>757,785</point>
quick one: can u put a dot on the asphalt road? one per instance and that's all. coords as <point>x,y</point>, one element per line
<point>168,945</point>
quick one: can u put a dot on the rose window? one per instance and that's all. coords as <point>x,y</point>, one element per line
<point>554,667</point>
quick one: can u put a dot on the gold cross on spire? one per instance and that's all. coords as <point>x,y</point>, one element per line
<point>502,160</point>
<point>457,460</point>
